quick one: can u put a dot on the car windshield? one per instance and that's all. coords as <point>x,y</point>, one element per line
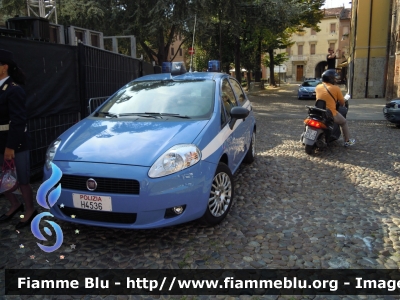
<point>158,98</point>
<point>310,83</point>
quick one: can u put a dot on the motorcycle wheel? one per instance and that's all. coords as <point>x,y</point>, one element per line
<point>309,149</point>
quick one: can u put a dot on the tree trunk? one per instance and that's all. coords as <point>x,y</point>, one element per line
<point>220,38</point>
<point>257,74</point>
<point>271,68</point>
<point>248,80</point>
<point>161,54</point>
<point>238,71</point>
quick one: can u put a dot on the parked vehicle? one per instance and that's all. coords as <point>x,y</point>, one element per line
<point>319,129</point>
<point>307,89</point>
<point>391,112</point>
<point>159,152</point>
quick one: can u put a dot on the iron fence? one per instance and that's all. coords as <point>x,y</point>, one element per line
<point>94,103</point>
<point>43,132</point>
<point>103,72</point>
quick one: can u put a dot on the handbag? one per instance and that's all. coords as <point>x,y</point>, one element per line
<point>341,109</point>
<point>8,177</point>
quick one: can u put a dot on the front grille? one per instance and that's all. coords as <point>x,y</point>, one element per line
<point>100,216</point>
<point>104,185</point>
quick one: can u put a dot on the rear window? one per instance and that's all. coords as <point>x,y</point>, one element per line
<point>189,98</point>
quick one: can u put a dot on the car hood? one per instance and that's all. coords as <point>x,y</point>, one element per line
<point>124,142</point>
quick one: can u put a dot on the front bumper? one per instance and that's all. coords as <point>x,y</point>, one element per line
<point>147,209</point>
<point>311,95</point>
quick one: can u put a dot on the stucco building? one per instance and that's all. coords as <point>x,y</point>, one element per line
<point>393,74</point>
<point>369,45</point>
<point>177,52</point>
<point>307,56</point>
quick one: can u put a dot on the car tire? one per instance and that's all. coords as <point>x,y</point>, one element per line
<point>251,152</point>
<point>221,196</point>
<point>299,98</point>
<point>309,149</point>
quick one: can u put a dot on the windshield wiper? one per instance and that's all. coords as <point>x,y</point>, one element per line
<point>169,115</point>
<point>146,115</point>
<point>154,115</point>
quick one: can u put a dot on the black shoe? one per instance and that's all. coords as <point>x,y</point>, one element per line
<point>26,223</point>
<point>4,218</point>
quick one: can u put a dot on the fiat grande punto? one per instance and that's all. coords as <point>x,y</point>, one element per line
<point>159,152</point>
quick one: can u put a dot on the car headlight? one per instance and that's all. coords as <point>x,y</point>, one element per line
<point>51,152</point>
<point>175,159</point>
<point>396,105</point>
<point>303,90</point>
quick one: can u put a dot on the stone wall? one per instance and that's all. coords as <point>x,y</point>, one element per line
<point>375,81</point>
<point>392,84</point>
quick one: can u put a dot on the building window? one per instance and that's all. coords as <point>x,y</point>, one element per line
<point>333,28</point>
<point>300,49</point>
<point>180,51</point>
<point>312,49</point>
<point>172,51</point>
<point>313,32</point>
<point>288,51</point>
<point>345,30</point>
<point>332,46</point>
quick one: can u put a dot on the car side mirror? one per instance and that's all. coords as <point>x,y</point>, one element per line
<point>238,113</point>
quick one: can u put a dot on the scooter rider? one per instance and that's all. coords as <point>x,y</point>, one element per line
<point>330,93</point>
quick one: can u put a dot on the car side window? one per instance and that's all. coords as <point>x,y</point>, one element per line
<point>238,91</point>
<point>228,96</point>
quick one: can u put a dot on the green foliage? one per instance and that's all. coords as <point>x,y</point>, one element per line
<point>279,59</point>
<point>10,8</point>
<point>13,7</point>
<point>228,30</point>
<point>87,14</point>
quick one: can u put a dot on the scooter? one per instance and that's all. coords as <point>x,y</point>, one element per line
<point>319,129</point>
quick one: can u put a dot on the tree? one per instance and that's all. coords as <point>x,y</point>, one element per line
<point>271,43</point>
<point>87,14</point>
<point>156,23</point>
<point>297,15</point>
<point>278,59</point>
<point>10,8</point>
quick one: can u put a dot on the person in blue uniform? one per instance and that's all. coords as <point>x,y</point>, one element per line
<point>14,138</point>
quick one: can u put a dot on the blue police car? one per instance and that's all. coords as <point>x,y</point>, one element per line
<point>159,152</point>
<point>307,89</point>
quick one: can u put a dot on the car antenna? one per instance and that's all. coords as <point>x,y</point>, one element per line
<point>191,54</point>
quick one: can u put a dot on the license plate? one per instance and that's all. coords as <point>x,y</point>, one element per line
<point>385,110</point>
<point>310,134</point>
<point>313,94</point>
<point>92,202</point>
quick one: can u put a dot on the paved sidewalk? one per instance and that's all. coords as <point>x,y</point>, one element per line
<point>359,109</point>
<point>367,109</point>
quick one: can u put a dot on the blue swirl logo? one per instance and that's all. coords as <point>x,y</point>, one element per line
<point>54,194</point>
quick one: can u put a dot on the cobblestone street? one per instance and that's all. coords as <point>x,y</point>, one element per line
<point>336,209</point>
